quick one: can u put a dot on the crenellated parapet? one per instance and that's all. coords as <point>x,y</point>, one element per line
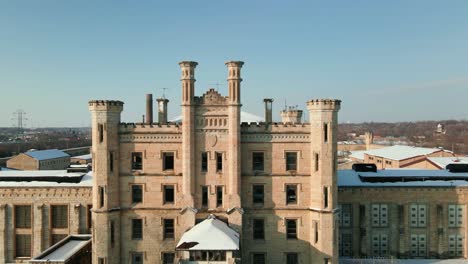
<point>105,105</point>
<point>155,133</point>
<point>275,127</point>
<point>324,104</point>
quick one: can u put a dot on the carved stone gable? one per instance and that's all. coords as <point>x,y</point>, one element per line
<point>211,97</point>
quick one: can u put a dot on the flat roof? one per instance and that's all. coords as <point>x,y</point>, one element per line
<point>401,178</point>
<point>442,162</point>
<point>45,178</point>
<point>399,152</point>
<point>401,261</point>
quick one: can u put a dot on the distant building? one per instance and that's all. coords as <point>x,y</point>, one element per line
<point>402,214</point>
<point>49,159</point>
<point>82,159</point>
<point>398,156</point>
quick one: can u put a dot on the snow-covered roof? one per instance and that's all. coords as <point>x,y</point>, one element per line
<point>245,117</point>
<point>84,157</point>
<point>64,250</point>
<point>357,154</point>
<point>47,154</point>
<point>344,260</point>
<point>211,234</point>
<point>419,178</point>
<point>399,152</point>
<point>45,178</point>
<point>442,162</point>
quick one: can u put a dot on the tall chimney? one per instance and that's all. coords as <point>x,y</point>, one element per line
<point>149,108</point>
<point>268,109</point>
<point>162,110</point>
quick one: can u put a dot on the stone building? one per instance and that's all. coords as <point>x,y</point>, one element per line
<point>274,184</point>
<point>49,159</point>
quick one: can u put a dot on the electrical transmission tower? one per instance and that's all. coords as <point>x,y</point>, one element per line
<point>19,116</point>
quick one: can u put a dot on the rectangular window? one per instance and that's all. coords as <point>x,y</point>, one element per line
<point>455,215</point>
<point>101,196</point>
<point>137,258</point>
<point>379,245</point>
<point>344,216</point>
<point>137,229</point>
<point>418,215</point>
<point>258,229</point>
<point>292,258</point>
<point>169,194</point>
<point>168,159</point>
<point>89,217</point>
<point>101,261</point>
<point>259,258</point>
<point>137,161</point>
<point>345,242</point>
<point>59,216</point>
<point>316,161</point>
<point>258,194</point>
<point>291,228</point>
<point>418,245</point>
<point>23,216</point>
<point>219,196</point>
<point>101,132</point>
<point>325,197</point>
<point>219,161</point>
<point>291,194</point>
<point>325,133</point>
<point>204,162</point>
<point>111,161</point>
<point>137,193</point>
<point>379,215</point>
<point>168,258</point>
<point>456,245</point>
<point>316,231</point>
<point>168,228</point>
<point>57,238</point>
<point>205,196</point>
<point>257,161</point>
<point>291,161</point>
<point>23,246</point>
<point>112,235</point>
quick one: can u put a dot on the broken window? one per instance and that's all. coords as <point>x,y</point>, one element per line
<point>137,161</point>
<point>168,194</point>
<point>291,194</point>
<point>168,159</point>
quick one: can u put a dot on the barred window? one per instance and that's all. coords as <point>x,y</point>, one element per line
<point>168,228</point>
<point>258,194</point>
<point>57,237</point>
<point>137,229</point>
<point>292,258</point>
<point>291,161</point>
<point>59,216</point>
<point>23,246</point>
<point>168,258</point>
<point>259,258</point>
<point>22,216</point>
<point>258,229</point>
<point>137,193</point>
<point>291,229</point>
<point>257,161</point>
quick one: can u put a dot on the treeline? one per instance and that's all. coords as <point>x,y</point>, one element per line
<point>420,133</point>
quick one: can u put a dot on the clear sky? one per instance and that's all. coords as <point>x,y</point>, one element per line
<point>387,60</point>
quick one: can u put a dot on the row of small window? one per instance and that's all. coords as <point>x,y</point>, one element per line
<point>138,258</point>
<point>51,162</point>
<point>418,245</point>
<point>168,228</point>
<point>58,216</point>
<point>417,215</point>
<point>23,247</point>
<point>258,161</point>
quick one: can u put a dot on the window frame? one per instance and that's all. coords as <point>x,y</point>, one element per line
<point>165,188</point>
<point>168,235</point>
<point>291,236</point>
<point>291,166</point>
<point>165,155</point>
<point>133,163</point>
<point>258,234</point>
<point>132,186</point>
<point>254,202</point>
<point>295,187</point>
<point>258,165</point>
<point>136,235</point>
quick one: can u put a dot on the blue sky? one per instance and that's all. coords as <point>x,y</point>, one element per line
<point>387,60</point>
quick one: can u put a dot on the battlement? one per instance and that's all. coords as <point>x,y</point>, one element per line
<point>150,128</point>
<point>324,104</point>
<point>106,105</point>
<point>275,127</point>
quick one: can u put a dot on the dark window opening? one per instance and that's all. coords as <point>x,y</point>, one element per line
<point>137,193</point>
<point>101,261</point>
<point>59,216</point>
<point>168,158</point>
<point>57,238</point>
<point>137,161</point>
<point>23,246</point>
<point>316,232</point>
<point>101,132</point>
<point>325,132</point>
<point>258,229</point>
<point>219,196</point>
<point>213,255</point>
<point>205,196</point>
<point>111,161</point>
<point>291,229</point>
<point>168,194</point>
<point>168,258</point>
<point>112,235</point>
<point>137,258</point>
<point>219,162</point>
<point>137,228</point>
<point>89,217</point>
<point>325,197</point>
<point>168,228</point>
<point>204,162</point>
<point>291,161</point>
<point>292,258</point>
<point>316,161</point>
<point>23,216</point>
<point>257,161</point>
<point>258,194</point>
<point>259,258</point>
<point>101,196</point>
<point>291,194</point>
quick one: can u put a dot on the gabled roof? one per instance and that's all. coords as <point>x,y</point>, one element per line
<point>47,154</point>
<point>442,162</point>
<point>211,234</point>
<point>400,152</point>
